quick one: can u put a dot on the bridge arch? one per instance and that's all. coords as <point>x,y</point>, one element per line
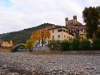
<point>15,48</point>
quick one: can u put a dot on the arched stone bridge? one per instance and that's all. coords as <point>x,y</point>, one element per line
<point>15,48</point>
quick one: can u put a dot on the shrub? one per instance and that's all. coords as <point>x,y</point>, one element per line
<point>51,43</point>
<point>65,45</point>
<point>29,44</point>
<point>57,45</point>
<point>96,44</point>
<point>54,44</point>
<point>75,44</point>
<point>85,44</point>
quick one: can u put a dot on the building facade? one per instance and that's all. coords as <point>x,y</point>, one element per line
<point>60,33</point>
<point>7,44</point>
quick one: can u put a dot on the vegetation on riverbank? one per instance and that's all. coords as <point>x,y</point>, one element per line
<point>75,44</point>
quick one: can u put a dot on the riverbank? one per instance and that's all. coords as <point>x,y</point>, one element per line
<point>51,63</point>
<point>5,49</point>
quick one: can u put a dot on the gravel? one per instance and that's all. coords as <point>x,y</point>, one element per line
<point>65,63</point>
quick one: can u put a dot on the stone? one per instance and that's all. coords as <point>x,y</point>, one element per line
<point>2,72</point>
<point>15,73</point>
<point>4,66</point>
<point>6,71</point>
<point>71,64</point>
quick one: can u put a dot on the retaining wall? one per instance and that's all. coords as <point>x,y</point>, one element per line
<point>42,49</point>
<point>5,49</point>
<point>45,49</point>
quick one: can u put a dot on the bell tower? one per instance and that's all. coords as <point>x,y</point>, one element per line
<point>74,19</point>
<point>66,21</point>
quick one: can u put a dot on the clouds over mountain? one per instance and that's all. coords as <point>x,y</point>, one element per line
<point>20,14</point>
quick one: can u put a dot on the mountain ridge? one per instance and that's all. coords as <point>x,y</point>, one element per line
<point>22,35</point>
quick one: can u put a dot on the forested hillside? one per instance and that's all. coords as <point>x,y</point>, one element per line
<point>23,35</point>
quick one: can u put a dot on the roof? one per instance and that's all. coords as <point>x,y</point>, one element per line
<point>56,27</point>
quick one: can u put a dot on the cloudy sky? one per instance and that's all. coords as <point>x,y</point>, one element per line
<point>20,14</point>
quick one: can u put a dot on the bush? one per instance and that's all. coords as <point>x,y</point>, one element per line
<point>96,44</point>
<point>65,45</point>
<point>75,44</point>
<point>85,44</point>
<point>54,44</point>
<point>51,44</point>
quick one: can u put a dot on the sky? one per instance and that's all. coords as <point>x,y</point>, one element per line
<point>17,15</point>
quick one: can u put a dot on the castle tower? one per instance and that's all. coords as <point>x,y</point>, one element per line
<point>66,21</point>
<point>74,19</point>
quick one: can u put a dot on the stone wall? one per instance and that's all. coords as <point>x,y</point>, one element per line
<point>42,49</point>
<point>5,49</point>
<point>45,49</point>
<point>82,52</point>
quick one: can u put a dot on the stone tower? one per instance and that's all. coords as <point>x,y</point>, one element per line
<point>74,19</point>
<point>66,21</point>
<point>71,22</point>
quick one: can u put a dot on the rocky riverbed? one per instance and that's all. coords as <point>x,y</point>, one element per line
<point>50,64</point>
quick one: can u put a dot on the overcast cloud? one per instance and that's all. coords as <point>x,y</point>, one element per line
<point>20,14</point>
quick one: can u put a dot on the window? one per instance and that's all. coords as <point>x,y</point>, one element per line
<point>53,37</point>
<point>63,30</point>
<point>58,36</point>
<point>52,31</point>
<point>66,31</point>
<point>64,36</point>
<point>60,30</point>
<point>67,37</point>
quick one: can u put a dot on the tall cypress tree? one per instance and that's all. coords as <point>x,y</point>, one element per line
<point>91,17</point>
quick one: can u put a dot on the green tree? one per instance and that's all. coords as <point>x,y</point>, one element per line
<point>91,17</point>
<point>98,33</point>
<point>85,44</point>
<point>75,44</point>
<point>65,45</point>
<point>96,44</point>
<point>29,44</point>
<point>54,44</point>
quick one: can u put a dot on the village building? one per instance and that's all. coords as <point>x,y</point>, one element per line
<point>60,33</point>
<point>75,27</point>
<point>7,44</point>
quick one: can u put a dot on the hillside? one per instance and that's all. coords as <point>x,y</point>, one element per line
<point>4,34</point>
<point>23,35</point>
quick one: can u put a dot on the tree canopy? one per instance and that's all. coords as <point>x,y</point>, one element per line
<point>91,17</point>
<point>41,34</point>
<point>29,44</point>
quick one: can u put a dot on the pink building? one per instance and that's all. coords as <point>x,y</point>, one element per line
<point>7,44</point>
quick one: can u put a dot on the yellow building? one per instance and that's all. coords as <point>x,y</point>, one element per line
<point>60,33</point>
